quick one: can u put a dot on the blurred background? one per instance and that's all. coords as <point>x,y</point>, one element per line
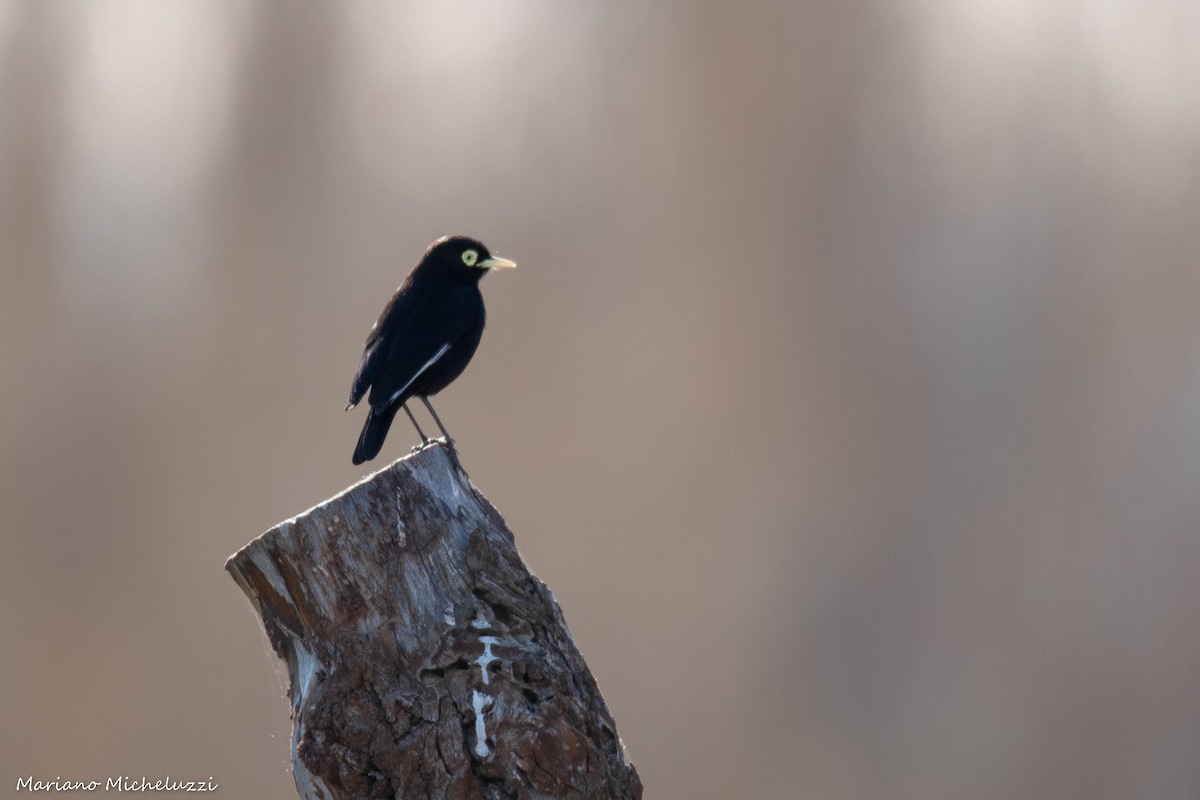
<point>847,396</point>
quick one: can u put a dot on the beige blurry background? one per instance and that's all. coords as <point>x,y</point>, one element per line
<point>847,397</point>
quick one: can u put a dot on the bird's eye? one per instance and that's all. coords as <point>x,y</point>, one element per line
<point>470,257</point>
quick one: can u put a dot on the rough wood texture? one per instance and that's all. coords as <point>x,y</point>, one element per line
<point>425,660</point>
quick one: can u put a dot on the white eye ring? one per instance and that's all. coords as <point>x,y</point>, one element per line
<point>469,257</point>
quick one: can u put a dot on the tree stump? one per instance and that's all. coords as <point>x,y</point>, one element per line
<point>425,660</point>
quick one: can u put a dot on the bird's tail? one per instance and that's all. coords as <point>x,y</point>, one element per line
<point>374,431</point>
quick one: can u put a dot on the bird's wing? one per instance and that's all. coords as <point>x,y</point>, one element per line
<point>410,337</point>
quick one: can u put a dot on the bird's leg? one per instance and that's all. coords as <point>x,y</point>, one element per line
<point>424,439</point>
<point>445,432</point>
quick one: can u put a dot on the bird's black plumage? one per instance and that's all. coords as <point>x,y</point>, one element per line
<point>425,336</point>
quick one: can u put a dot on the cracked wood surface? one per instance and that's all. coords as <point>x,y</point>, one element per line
<point>425,660</point>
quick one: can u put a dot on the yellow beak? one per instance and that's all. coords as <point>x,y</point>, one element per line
<point>493,262</point>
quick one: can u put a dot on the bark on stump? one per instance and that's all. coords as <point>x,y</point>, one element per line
<point>425,660</point>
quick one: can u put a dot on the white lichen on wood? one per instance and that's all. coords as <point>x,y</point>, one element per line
<point>479,703</point>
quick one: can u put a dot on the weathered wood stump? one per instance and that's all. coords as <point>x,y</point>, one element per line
<point>425,660</point>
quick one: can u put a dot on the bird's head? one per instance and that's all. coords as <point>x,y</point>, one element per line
<point>463,257</point>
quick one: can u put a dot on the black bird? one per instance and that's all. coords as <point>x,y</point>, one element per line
<point>424,338</point>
